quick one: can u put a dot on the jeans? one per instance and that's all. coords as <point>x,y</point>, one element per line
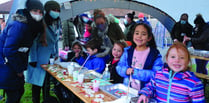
<point>201,66</point>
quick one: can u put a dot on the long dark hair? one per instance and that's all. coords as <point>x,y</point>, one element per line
<point>151,43</point>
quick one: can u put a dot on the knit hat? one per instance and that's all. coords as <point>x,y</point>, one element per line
<point>34,4</point>
<point>141,15</point>
<point>51,5</point>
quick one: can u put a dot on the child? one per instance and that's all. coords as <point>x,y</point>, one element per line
<point>117,52</point>
<point>174,83</point>
<point>76,53</point>
<point>93,62</point>
<point>141,60</point>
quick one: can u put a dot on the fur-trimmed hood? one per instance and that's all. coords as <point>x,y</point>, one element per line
<point>20,18</point>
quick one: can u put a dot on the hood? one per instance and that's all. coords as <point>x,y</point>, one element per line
<point>19,17</point>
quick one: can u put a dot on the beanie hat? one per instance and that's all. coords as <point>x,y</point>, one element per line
<point>141,15</point>
<point>199,20</point>
<point>51,5</point>
<point>34,4</point>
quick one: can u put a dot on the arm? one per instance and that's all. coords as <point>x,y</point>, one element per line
<point>203,38</point>
<point>145,74</point>
<point>99,63</point>
<point>33,51</point>
<point>123,65</point>
<point>11,46</point>
<point>197,93</point>
<point>149,89</point>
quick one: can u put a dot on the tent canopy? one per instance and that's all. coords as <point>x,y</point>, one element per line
<point>166,11</point>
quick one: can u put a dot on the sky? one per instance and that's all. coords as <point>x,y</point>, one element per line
<point>3,1</point>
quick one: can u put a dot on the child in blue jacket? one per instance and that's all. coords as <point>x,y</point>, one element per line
<point>92,61</point>
<point>141,60</point>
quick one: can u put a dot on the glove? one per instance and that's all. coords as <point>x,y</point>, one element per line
<point>33,64</point>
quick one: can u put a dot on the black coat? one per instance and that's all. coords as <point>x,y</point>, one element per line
<point>200,40</point>
<point>113,73</point>
<point>179,28</point>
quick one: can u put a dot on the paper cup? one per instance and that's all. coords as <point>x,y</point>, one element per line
<point>80,78</point>
<point>51,60</point>
<point>75,76</point>
<point>70,69</point>
<point>96,85</point>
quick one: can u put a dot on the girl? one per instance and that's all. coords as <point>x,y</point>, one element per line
<point>174,83</point>
<point>93,62</point>
<point>142,59</point>
<point>77,52</point>
<point>15,43</point>
<point>41,54</point>
<point>117,51</point>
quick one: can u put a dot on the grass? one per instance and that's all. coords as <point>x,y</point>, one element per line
<point>27,96</point>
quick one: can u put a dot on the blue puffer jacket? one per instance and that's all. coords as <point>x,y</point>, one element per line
<point>15,42</point>
<point>93,63</point>
<point>153,63</point>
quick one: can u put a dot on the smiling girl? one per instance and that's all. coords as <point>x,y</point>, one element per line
<point>142,59</point>
<point>117,52</point>
<point>175,83</point>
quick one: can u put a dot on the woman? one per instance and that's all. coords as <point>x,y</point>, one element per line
<point>129,24</point>
<point>16,40</point>
<point>106,29</point>
<point>41,54</point>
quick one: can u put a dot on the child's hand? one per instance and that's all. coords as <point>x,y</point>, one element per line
<point>77,54</point>
<point>67,48</point>
<point>143,99</point>
<point>129,71</point>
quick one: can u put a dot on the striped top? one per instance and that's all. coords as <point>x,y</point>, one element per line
<point>181,87</point>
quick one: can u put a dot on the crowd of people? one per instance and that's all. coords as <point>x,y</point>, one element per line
<point>31,39</point>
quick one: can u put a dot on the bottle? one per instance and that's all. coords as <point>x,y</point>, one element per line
<point>106,75</point>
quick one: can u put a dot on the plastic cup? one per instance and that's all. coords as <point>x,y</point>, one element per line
<point>80,78</point>
<point>70,69</point>
<point>96,85</point>
<point>51,60</point>
<point>75,76</point>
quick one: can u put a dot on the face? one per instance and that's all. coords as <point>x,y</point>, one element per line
<point>36,12</point>
<point>184,17</point>
<point>140,36</point>
<point>177,60</point>
<point>76,49</point>
<point>91,51</point>
<point>127,18</point>
<point>100,21</point>
<point>117,51</point>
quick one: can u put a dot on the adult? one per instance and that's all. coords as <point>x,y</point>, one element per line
<point>182,28</point>
<point>16,40</point>
<point>41,54</point>
<point>129,24</point>
<point>68,33</point>
<point>106,29</point>
<point>199,41</point>
<point>143,19</point>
